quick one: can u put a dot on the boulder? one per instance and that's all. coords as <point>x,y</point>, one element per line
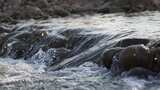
<point>155,58</point>
<point>135,56</point>
<point>55,41</point>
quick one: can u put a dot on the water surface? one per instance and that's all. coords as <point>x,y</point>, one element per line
<point>85,75</point>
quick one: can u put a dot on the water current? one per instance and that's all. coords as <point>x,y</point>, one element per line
<point>79,72</point>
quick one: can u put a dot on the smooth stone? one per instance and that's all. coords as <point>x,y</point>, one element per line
<point>155,58</point>
<point>134,56</point>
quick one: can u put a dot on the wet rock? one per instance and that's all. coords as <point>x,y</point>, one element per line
<point>131,57</point>
<point>31,37</point>
<point>45,44</point>
<point>18,50</point>
<point>132,41</point>
<point>74,37</point>
<point>55,42</point>
<point>26,44</point>
<point>134,56</point>
<point>107,56</point>
<point>155,58</point>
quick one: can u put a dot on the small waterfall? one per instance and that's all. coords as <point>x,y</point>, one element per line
<point>62,53</point>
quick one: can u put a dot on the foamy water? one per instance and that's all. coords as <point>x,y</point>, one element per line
<point>32,74</point>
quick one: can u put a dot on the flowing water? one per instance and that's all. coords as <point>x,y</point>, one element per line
<point>79,72</point>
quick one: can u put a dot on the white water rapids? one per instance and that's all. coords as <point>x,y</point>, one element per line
<point>21,75</point>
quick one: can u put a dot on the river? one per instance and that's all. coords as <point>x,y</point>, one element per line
<point>82,74</point>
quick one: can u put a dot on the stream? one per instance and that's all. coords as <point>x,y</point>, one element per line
<point>78,71</point>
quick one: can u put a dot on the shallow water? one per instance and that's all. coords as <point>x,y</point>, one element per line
<point>79,72</point>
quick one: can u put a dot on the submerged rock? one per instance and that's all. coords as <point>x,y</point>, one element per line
<point>18,50</point>
<point>31,37</point>
<point>25,44</point>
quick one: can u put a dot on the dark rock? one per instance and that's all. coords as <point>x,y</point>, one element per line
<point>132,41</point>
<point>18,50</point>
<point>26,44</point>
<point>155,58</point>
<point>31,37</point>
<point>135,56</point>
<point>131,57</point>
<point>55,42</point>
<point>107,56</point>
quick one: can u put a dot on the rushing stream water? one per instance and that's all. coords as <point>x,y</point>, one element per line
<point>78,72</point>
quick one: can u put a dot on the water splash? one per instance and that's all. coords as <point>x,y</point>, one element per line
<point>31,74</point>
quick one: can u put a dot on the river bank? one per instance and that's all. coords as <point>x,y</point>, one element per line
<point>11,11</point>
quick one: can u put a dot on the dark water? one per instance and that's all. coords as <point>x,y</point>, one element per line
<point>79,72</point>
